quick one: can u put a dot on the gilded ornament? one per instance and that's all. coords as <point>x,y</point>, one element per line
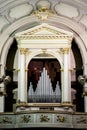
<point>82,120</point>
<point>60,118</point>
<point>18,70</point>
<point>23,50</point>
<point>61,69</point>
<point>44,118</point>
<point>70,69</point>
<point>65,50</point>
<point>44,50</point>
<point>6,120</point>
<point>84,93</point>
<point>26,69</point>
<point>26,118</point>
<point>43,13</point>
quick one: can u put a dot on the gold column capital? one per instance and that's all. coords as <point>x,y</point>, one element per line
<point>65,50</point>
<point>44,50</point>
<point>62,69</point>
<point>70,69</point>
<point>84,93</point>
<point>26,70</point>
<point>23,50</point>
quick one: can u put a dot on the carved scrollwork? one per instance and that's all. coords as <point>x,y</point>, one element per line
<point>82,120</point>
<point>82,79</point>
<point>43,13</point>
<point>44,118</point>
<point>5,120</point>
<point>26,118</point>
<point>60,118</point>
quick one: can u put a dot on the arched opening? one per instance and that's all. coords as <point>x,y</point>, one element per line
<point>10,68</point>
<point>44,80</point>
<point>79,100</point>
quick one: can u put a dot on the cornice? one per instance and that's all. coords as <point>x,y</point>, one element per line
<point>45,32</point>
<point>32,37</point>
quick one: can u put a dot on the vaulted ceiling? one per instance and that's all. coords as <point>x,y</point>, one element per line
<point>12,10</point>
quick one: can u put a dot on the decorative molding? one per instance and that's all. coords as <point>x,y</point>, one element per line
<point>27,37</point>
<point>18,69</point>
<point>84,93</point>
<point>67,104</point>
<point>60,118</point>
<point>26,118</point>
<point>70,69</point>
<point>65,50</point>
<point>81,119</point>
<point>6,120</point>
<point>44,50</point>
<point>34,119</point>
<point>44,118</point>
<point>62,69</point>
<point>26,69</point>
<point>23,50</point>
<point>44,31</point>
<point>43,13</point>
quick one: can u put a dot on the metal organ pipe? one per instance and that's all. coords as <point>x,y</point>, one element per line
<point>44,90</point>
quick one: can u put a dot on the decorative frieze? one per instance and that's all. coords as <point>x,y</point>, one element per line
<point>26,118</point>
<point>43,118</point>
<point>60,118</point>
<point>32,37</point>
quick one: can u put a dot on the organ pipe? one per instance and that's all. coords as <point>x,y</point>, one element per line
<point>44,91</point>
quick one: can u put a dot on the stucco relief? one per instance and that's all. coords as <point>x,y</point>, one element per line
<point>43,3</point>
<point>83,20</point>
<point>3,22</point>
<point>21,10</point>
<point>66,10</point>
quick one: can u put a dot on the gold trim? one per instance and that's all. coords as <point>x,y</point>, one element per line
<point>44,118</point>
<point>60,118</point>
<point>44,50</point>
<point>23,50</point>
<point>32,37</point>
<point>84,93</point>
<point>43,13</point>
<point>61,69</point>
<point>26,69</point>
<point>67,103</point>
<point>18,70</point>
<point>65,50</point>
<point>21,104</point>
<point>70,69</point>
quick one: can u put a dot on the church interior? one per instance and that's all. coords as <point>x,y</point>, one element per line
<point>43,64</point>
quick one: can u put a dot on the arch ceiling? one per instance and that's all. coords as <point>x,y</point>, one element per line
<point>18,15</point>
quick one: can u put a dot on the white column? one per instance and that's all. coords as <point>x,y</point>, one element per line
<point>22,77</point>
<point>62,84</point>
<point>66,87</point>
<point>69,77</point>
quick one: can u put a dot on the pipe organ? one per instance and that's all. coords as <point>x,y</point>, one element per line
<point>44,91</point>
<point>44,39</point>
